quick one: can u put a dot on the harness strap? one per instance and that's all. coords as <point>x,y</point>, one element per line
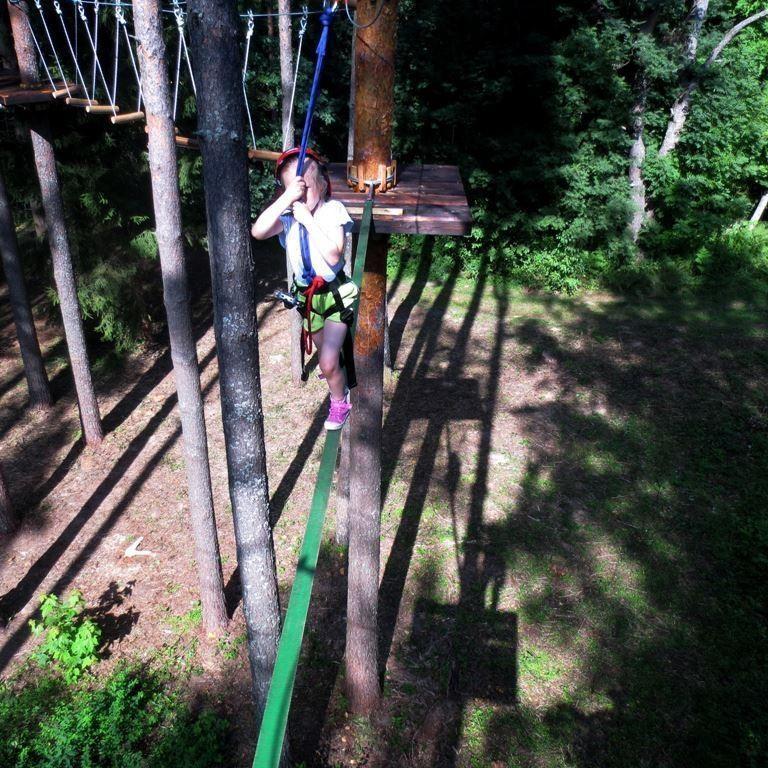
<point>347,315</point>
<point>308,293</point>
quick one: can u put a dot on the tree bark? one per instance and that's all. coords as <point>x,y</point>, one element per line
<point>637,148</point>
<point>286,70</point>
<point>697,15</point>
<point>759,209</point>
<point>342,488</point>
<point>636,160</point>
<point>167,205</point>
<point>374,106</point>
<point>63,273</point>
<point>7,56</point>
<point>352,86</point>
<point>8,518</point>
<point>365,486</point>
<point>214,31</point>
<point>34,369</point>
<point>682,105</point>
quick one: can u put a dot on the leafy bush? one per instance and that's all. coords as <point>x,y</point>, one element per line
<point>70,639</point>
<point>131,720</point>
<point>740,252</point>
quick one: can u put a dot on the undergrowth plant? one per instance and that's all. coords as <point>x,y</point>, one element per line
<point>70,639</point>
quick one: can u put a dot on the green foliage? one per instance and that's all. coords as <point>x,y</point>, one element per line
<point>536,103</point>
<point>70,639</point>
<point>133,719</point>
<point>739,254</point>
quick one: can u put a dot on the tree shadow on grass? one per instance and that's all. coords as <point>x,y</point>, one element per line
<point>637,542</point>
<point>410,392</point>
<point>405,307</point>
<point>114,627</point>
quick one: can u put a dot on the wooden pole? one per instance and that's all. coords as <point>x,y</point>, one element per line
<point>214,28</point>
<point>61,256</point>
<point>167,205</point>
<point>374,106</point>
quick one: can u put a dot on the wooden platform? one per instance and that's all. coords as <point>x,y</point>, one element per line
<point>428,200</point>
<point>13,94</point>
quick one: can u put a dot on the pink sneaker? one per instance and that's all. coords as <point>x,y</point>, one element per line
<point>338,413</point>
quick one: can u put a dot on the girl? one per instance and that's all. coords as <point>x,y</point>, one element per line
<point>321,281</point>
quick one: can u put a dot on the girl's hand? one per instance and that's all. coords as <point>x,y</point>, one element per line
<point>296,190</point>
<point>302,214</point>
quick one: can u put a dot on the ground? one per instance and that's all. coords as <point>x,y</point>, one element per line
<point>573,532</point>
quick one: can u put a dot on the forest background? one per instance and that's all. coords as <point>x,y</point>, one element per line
<point>556,114</point>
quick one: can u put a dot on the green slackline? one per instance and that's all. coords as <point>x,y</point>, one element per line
<point>275,719</point>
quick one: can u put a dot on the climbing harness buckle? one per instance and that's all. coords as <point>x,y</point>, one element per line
<point>290,301</point>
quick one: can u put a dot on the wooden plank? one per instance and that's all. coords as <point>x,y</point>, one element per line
<point>431,197</point>
<point>357,210</point>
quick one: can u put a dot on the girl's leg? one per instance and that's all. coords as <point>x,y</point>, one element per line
<point>328,349</point>
<point>317,340</point>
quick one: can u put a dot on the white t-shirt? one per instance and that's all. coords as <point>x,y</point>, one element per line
<point>328,215</point>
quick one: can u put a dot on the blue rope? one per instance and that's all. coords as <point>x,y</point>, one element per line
<point>326,18</point>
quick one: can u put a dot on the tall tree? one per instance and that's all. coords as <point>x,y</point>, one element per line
<point>34,370</point>
<point>374,106</point>
<point>682,105</point>
<point>63,272</point>
<point>8,519</point>
<point>167,205</point>
<point>215,56</point>
<point>637,147</point>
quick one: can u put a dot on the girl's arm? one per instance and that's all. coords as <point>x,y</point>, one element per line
<point>331,246</point>
<point>268,224</point>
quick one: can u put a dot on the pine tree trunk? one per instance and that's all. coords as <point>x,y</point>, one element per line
<point>63,273</point>
<point>7,56</point>
<point>365,486</point>
<point>8,518</point>
<point>286,70</point>
<point>374,106</point>
<point>167,205</point>
<point>215,34</point>
<point>352,87</point>
<point>34,369</point>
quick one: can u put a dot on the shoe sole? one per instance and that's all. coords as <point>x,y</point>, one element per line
<point>334,425</point>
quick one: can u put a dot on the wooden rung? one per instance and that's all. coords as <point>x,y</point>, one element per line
<point>101,110</point>
<point>60,93</point>
<point>73,102</point>
<point>378,210</point>
<point>263,154</point>
<point>128,117</point>
<point>190,142</point>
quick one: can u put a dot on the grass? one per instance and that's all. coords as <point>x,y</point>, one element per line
<point>628,542</point>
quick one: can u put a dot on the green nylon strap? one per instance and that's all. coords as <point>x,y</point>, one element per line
<point>275,720</point>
